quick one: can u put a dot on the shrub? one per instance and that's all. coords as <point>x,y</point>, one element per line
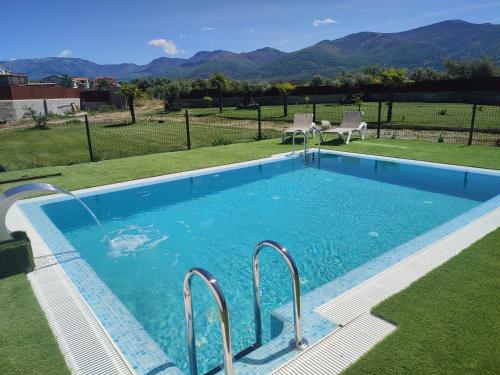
<point>442,112</point>
<point>208,101</point>
<point>39,118</point>
<point>441,138</point>
<point>221,141</point>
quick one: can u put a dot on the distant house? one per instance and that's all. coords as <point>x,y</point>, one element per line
<point>17,96</point>
<point>53,79</point>
<point>81,82</point>
<point>108,80</point>
<point>4,71</point>
<point>12,79</point>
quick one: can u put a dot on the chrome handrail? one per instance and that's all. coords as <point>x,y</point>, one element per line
<point>320,138</point>
<point>214,287</point>
<point>299,342</point>
<point>306,141</point>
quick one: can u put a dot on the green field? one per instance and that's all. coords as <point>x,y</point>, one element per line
<point>113,136</point>
<point>409,113</point>
<point>26,341</point>
<point>109,171</point>
<point>448,322</point>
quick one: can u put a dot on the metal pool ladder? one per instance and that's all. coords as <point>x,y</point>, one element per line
<point>214,287</point>
<point>298,343</point>
<point>306,141</point>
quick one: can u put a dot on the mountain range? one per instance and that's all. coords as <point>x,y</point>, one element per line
<point>424,46</point>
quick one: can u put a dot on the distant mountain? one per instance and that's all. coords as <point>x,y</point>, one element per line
<point>423,46</point>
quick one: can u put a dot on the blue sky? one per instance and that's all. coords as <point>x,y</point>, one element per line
<point>110,31</point>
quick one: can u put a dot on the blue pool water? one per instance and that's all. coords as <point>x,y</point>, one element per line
<point>333,213</point>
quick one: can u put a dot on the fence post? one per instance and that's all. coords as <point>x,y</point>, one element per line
<point>285,105</point>
<point>472,124</point>
<point>89,141</point>
<point>259,123</point>
<point>379,117</point>
<point>314,113</point>
<point>389,110</point>
<point>188,134</point>
<point>221,106</point>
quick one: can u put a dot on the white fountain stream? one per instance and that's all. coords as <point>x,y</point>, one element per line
<point>16,193</point>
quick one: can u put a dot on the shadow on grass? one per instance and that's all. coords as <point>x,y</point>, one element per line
<point>298,141</point>
<point>15,255</point>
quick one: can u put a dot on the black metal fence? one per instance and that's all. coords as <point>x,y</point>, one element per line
<point>115,135</point>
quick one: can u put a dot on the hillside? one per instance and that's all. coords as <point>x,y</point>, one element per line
<point>423,46</point>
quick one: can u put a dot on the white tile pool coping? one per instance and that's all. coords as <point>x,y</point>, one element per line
<point>88,349</point>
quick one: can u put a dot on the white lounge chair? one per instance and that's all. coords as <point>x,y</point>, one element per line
<point>351,122</point>
<point>302,122</point>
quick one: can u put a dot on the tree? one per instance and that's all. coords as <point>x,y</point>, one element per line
<point>102,84</point>
<point>130,91</point>
<point>394,78</point>
<point>425,74</point>
<point>171,94</point>
<point>372,70</point>
<point>470,69</point>
<point>66,81</point>
<point>219,82</point>
<point>316,82</point>
<point>284,88</point>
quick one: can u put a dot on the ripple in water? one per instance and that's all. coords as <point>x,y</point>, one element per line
<point>134,239</point>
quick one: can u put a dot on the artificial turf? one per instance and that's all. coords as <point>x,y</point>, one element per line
<point>27,345</point>
<point>448,322</point>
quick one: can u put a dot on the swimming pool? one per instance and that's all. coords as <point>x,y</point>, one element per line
<point>335,213</point>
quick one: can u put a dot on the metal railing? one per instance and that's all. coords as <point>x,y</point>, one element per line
<point>214,287</point>
<point>306,141</point>
<point>299,342</point>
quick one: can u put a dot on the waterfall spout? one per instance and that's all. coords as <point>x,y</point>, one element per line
<point>16,193</point>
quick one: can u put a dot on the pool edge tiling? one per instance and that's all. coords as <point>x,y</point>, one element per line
<point>316,325</point>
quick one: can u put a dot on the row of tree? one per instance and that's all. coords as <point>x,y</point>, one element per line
<point>163,88</point>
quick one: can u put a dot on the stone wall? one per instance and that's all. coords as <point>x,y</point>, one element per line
<point>13,110</point>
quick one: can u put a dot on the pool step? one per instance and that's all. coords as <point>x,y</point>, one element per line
<point>340,349</point>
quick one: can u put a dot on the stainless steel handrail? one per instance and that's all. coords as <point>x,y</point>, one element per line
<point>320,136</point>
<point>214,287</point>
<point>306,140</point>
<point>299,342</point>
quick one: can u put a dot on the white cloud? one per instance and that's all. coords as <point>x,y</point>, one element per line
<point>167,46</point>
<point>207,28</point>
<point>249,29</point>
<point>325,21</point>
<point>65,53</point>
<point>181,35</point>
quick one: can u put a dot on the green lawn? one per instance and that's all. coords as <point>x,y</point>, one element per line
<point>112,137</point>
<point>27,345</point>
<point>448,322</point>
<point>30,148</point>
<point>408,113</point>
<point>117,170</point>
